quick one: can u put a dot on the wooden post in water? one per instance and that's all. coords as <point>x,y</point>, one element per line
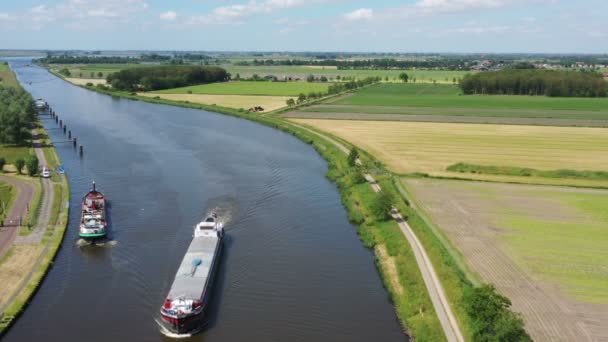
<point>81,150</point>
<point>60,123</point>
<point>56,118</point>
<point>70,134</point>
<point>74,142</point>
<point>64,128</point>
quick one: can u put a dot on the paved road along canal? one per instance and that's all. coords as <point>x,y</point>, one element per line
<point>293,268</point>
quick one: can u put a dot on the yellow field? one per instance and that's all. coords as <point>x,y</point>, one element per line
<point>232,101</point>
<point>83,81</point>
<point>15,267</point>
<point>431,147</point>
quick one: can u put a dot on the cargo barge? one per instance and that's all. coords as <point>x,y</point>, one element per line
<point>93,223</point>
<point>183,310</point>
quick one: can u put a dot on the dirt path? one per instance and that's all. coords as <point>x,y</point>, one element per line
<point>8,232</point>
<point>433,285</point>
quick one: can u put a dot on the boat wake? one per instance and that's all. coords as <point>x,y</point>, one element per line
<point>225,207</point>
<point>81,243</point>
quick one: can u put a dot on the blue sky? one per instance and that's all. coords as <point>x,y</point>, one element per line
<point>553,26</point>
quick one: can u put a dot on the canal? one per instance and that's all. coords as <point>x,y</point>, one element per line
<point>293,267</point>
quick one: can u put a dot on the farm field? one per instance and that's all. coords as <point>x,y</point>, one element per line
<point>269,103</point>
<point>7,77</point>
<point>447,97</point>
<point>250,88</point>
<point>85,70</point>
<point>409,147</point>
<point>424,76</point>
<point>543,247</point>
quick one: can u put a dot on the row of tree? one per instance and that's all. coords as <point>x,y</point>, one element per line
<point>16,115</point>
<point>351,85</point>
<point>375,63</point>
<point>556,83</point>
<point>165,77</point>
<point>31,162</point>
<point>68,59</point>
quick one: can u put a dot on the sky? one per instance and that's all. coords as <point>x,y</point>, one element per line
<point>535,26</point>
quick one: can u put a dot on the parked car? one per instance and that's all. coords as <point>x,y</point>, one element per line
<point>46,173</point>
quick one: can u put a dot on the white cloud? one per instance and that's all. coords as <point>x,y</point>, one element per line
<point>235,14</point>
<point>360,14</point>
<point>80,13</point>
<point>169,15</point>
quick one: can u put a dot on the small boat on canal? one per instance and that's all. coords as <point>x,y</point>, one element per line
<point>183,311</point>
<point>93,223</point>
<point>41,105</point>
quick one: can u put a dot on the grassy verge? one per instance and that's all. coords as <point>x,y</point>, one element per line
<point>527,172</point>
<point>8,192</point>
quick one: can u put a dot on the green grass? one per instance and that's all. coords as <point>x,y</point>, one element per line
<point>12,153</point>
<point>570,253</point>
<point>444,96</point>
<point>251,88</point>
<point>7,77</point>
<point>527,172</point>
<point>7,195</point>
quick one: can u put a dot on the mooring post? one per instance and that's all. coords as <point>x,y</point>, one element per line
<point>56,119</point>
<point>74,142</point>
<point>60,123</point>
<point>81,150</point>
<point>64,129</point>
<point>70,134</point>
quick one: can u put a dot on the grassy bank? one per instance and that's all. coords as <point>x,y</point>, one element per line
<point>8,192</point>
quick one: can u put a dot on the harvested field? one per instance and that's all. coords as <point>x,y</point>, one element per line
<point>84,81</point>
<point>232,101</point>
<point>313,114</point>
<point>14,268</point>
<point>431,147</point>
<point>543,247</point>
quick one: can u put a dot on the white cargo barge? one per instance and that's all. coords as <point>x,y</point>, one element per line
<point>184,307</point>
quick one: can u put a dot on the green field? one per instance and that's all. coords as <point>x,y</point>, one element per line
<point>11,153</point>
<point>87,69</point>
<point>446,96</point>
<point>7,77</point>
<point>251,88</point>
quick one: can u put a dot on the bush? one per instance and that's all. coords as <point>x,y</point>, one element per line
<point>19,164</point>
<point>32,165</point>
<point>89,84</point>
<point>382,205</point>
<point>352,156</point>
<point>2,163</point>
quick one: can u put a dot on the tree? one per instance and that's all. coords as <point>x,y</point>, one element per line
<point>404,77</point>
<point>100,74</point>
<point>32,165</point>
<point>382,205</point>
<point>2,163</point>
<point>301,97</point>
<point>352,156</point>
<point>65,72</point>
<point>385,78</point>
<point>19,164</point>
<point>290,102</point>
<point>312,95</point>
<point>310,78</point>
<point>323,79</point>
<point>237,77</point>
<point>92,74</point>
<point>454,80</point>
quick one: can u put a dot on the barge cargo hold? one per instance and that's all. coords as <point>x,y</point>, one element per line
<point>183,311</point>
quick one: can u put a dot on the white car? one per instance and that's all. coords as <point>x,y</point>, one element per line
<point>46,173</point>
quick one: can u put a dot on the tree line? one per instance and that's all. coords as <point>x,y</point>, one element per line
<point>16,115</point>
<point>67,59</point>
<point>375,63</point>
<point>165,77</point>
<point>555,83</point>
